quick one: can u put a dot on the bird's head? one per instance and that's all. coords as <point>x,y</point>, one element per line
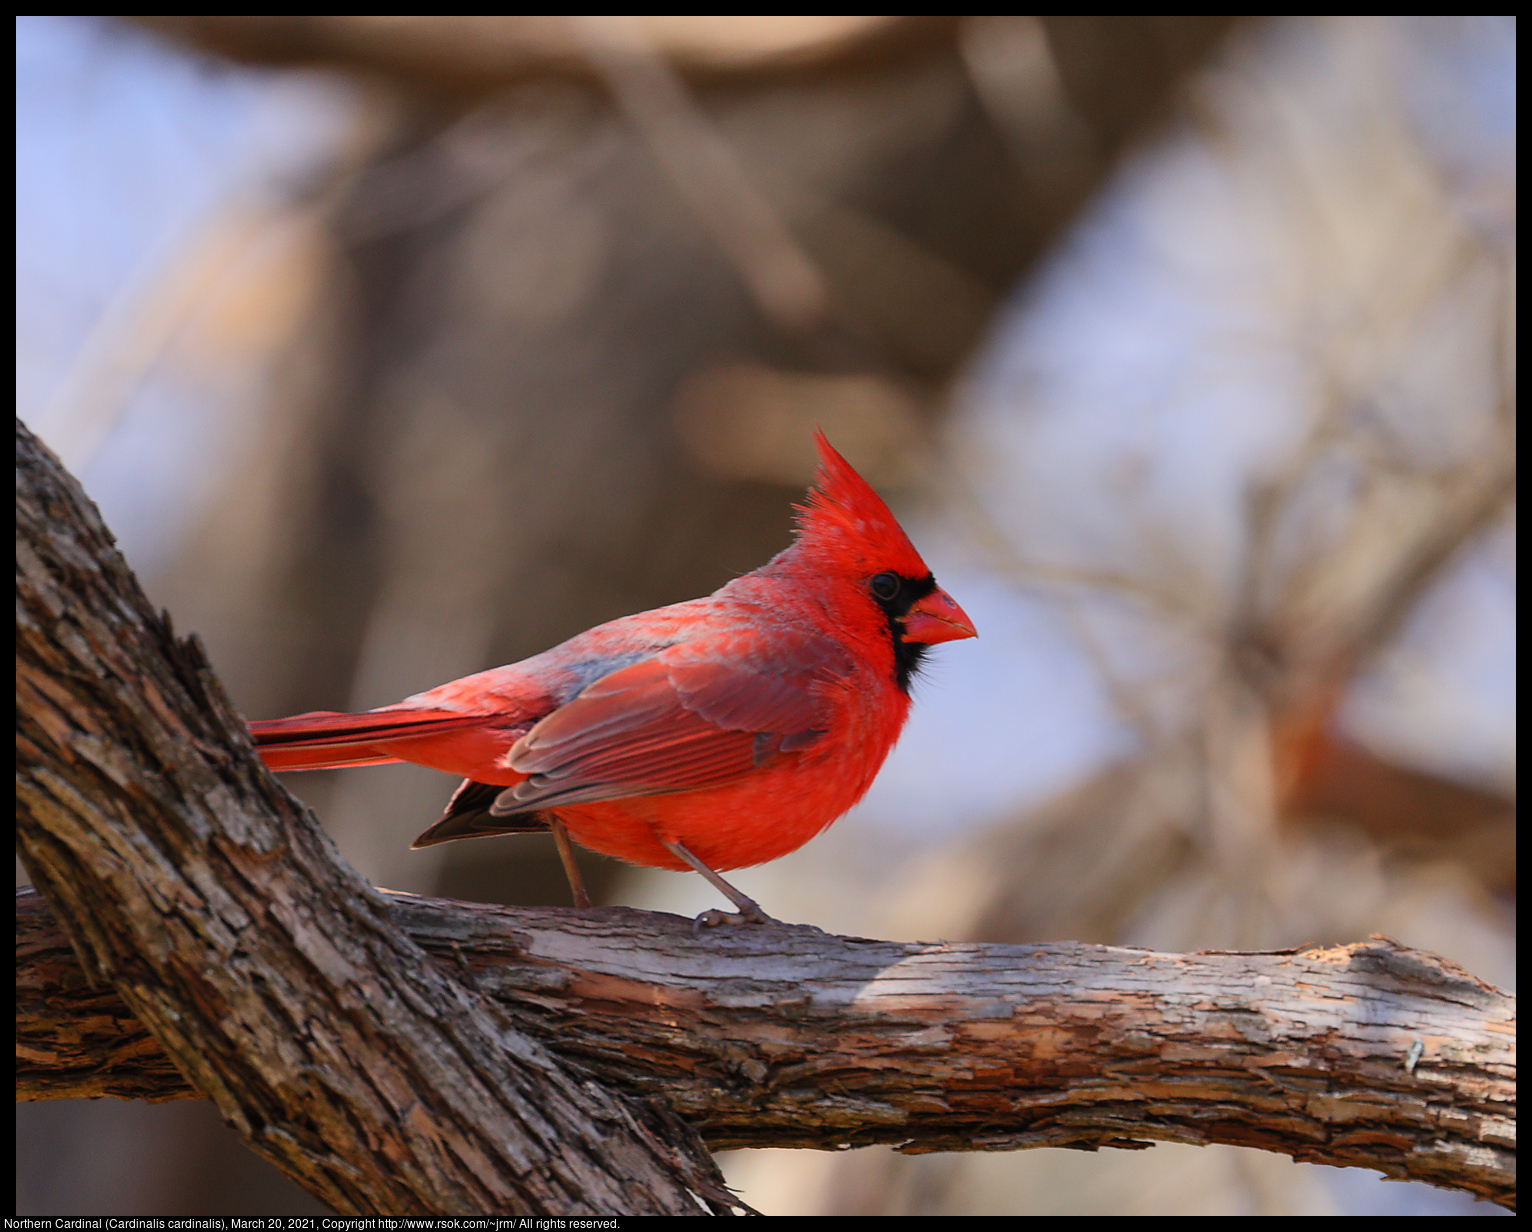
<point>848,537</point>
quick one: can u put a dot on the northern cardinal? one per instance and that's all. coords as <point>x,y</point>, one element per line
<point>713,734</point>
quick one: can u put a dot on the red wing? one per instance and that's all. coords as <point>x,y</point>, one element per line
<point>323,739</point>
<point>693,716</point>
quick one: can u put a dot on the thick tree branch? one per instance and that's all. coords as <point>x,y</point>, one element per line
<point>271,974</point>
<point>787,1037</point>
<point>525,1067</point>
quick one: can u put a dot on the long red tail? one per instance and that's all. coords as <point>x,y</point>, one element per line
<point>324,739</point>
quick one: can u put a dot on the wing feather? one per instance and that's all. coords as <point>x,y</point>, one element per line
<point>698,714</point>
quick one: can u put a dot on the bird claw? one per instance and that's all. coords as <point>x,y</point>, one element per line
<point>713,917</point>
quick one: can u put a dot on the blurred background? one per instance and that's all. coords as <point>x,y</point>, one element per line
<point>397,348</point>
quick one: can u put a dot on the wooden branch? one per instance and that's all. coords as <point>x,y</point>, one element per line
<point>538,1062</point>
<point>791,1038</point>
<point>269,972</point>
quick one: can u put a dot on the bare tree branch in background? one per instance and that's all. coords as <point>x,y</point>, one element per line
<point>467,55</point>
<point>1399,475</point>
<point>786,285</point>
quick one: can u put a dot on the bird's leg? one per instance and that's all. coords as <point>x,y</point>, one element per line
<point>567,856</point>
<point>749,910</point>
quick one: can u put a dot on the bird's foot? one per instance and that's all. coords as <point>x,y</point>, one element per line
<point>749,910</point>
<point>749,913</point>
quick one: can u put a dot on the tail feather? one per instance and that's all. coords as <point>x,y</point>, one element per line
<point>467,815</point>
<point>324,739</point>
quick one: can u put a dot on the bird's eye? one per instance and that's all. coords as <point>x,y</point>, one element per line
<point>885,586</point>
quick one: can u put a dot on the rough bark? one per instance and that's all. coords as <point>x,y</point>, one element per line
<point>538,1064</point>
<point>790,1038</point>
<point>272,975</point>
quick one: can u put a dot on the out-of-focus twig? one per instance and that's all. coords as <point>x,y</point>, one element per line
<point>704,169</point>
<point>1060,583</point>
<point>1477,507</point>
<point>458,55</point>
<point>144,318</point>
<point>140,322</point>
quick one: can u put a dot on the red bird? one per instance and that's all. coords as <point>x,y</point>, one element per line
<point>711,735</point>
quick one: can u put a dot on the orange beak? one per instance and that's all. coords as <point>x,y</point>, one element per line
<point>936,618</point>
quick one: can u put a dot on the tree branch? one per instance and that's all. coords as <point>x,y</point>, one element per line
<point>539,1058</point>
<point>790,1038</point>
<point>269,972</point>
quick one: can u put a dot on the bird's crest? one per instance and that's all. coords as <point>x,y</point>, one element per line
<point>845,516</point>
